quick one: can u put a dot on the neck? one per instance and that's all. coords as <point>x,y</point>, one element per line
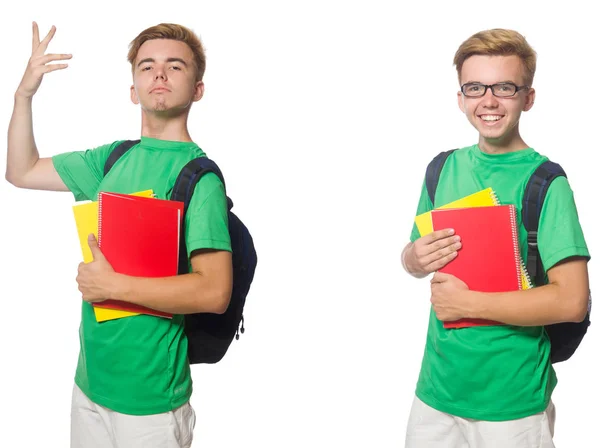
<point>509,143</point>
<point>165,126</point>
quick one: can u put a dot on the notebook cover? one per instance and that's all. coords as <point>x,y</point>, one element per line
<point>139,237</point>
<point>489,259</point>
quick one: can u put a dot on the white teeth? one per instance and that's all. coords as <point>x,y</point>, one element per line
<point>490,117</point>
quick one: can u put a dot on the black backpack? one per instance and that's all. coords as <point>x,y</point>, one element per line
<point>564,337</point>
<point>209,335</point>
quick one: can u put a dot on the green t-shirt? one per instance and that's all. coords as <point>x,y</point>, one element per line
<point>497,373</point>
<point>138,365</point>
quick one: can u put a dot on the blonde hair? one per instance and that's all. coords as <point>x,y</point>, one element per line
<point>174,32</point>
<point>498,42</point>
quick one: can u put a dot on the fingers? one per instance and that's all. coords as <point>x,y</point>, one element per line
<point>441,262</point>
<point>427,253</point>
<point>438,235</point>
<point>54,57</point>
<point>44,44</point>
<point>36,37</point>
<point>53,67</point>
<point>440,277</point>
<point>443,252</point>
<point>435,242</point>
<point>38,47</point>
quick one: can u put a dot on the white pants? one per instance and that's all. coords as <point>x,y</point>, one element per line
<point>94,426</point>
<point>430,428</point>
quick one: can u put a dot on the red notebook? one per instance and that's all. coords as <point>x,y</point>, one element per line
<point>139,237</point>
<point>489,259</point>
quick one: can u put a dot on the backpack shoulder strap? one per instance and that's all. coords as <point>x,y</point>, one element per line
<point>190,175</point>
<point>432,174</point>
<point>531,210</point>
<point>116,153</point>
<point>183,190</point>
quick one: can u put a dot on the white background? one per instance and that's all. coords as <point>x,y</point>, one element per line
<point>323,116</point>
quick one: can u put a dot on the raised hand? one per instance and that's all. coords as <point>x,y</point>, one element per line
<point>38,64</point>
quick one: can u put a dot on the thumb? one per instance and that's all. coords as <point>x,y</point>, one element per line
<point>440,277</point>
<point>93,243</point>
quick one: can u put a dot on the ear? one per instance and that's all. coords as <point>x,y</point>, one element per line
<point>529,99</point>
<point>461,101</point>
<point>198,91</point>
<point>133,94</point>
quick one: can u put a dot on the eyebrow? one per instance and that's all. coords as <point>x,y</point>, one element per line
<point>499,82</point>
<point>143,61</point>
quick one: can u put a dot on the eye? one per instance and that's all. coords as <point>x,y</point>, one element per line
<point>175,67</point>
<point>146,68</point>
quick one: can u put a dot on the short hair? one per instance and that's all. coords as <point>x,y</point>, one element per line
<point>498,42</point>
<point>174,32</point>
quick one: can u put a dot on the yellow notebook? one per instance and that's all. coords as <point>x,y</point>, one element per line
<point>86,220</point>
<point>482,198</point>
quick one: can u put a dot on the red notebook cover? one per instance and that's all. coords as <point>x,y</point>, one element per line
<point>489,259</point>
<point>139,237</point>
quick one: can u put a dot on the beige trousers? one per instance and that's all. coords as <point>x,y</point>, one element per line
<point>94,426</point>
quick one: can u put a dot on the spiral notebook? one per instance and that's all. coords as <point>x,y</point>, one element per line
<point>86,221</point>
<point>139,237</point>
<point>489,259</point>
<point>483,198</point>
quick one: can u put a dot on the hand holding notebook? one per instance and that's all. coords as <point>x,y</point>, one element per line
<point>490,259</point>
<point>139,237</point>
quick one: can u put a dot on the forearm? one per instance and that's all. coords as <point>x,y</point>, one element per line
<point>181,294</point>
<point>544,305</point>
<point>22,153</point>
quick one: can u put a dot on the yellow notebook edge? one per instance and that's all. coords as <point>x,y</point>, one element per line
<point>483,198</point>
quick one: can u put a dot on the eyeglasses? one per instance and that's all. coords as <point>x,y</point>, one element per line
<point>501,89</point>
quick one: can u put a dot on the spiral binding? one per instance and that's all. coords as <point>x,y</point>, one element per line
<point>494,197</point>
<point>525,273</point>
<point>518,261</point>
<point>99,219</point>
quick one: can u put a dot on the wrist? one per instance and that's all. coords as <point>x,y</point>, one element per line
<point>406,259</point>
<point>20,96</point>
<point>115,286</point>
<point>477,305</point>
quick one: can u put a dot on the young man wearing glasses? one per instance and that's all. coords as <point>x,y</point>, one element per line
<point>491,386</point>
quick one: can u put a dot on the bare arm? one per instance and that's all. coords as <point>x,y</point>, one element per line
<point>24,167</point>
<point>563,299</point>
<point>207,289</point>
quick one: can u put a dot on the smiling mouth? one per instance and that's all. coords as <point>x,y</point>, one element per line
<point>491,118</point>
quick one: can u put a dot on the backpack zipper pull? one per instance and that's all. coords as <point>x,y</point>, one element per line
<point>242,329</point>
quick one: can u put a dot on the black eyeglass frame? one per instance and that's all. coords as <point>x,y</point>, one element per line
<point>492,86</point>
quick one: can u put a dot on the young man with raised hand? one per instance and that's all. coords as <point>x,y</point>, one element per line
<point>133,382</point>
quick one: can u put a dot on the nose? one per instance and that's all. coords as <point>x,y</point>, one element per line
<point>160,74</point>
<point>489,100</point>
